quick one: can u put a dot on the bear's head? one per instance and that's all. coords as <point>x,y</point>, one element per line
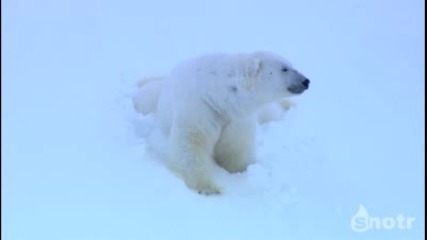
<point>272,77</point>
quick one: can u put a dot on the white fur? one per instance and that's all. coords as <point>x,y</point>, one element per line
<point>209,107</point>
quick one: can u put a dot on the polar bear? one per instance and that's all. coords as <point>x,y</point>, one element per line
<point>209,107</point>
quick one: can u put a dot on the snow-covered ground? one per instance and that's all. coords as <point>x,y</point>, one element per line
<point>74,166</point>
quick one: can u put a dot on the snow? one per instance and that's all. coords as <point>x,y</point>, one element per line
<point>74,166</point>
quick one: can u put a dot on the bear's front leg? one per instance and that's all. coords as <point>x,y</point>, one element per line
<point>191,147</point>
<point>235,149</point>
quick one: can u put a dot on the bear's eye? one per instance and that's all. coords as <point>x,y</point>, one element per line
<point>284,69</point>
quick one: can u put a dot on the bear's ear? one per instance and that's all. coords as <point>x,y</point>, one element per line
<point>254,67</point>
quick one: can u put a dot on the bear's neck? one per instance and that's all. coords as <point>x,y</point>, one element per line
<point>231,107</point>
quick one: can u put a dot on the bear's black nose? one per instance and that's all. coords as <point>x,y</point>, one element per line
<point>305,83</point>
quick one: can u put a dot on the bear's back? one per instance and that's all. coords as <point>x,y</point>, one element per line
<point>208,73</point>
